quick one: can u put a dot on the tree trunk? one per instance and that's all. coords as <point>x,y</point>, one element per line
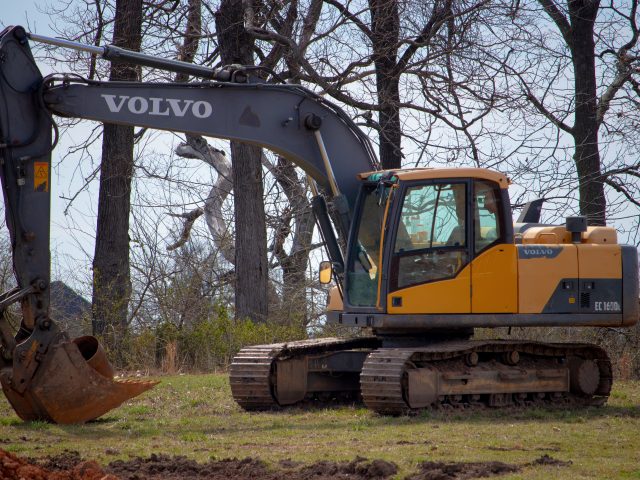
<point>385,29</point>
<point>251,234</point>
<point>294,264</point>
<point>236,46</point>
<point>585,130</point>
<point>111,278</point>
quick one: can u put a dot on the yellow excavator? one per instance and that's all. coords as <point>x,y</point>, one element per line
<point>427,256</point>
<point>433,254</point>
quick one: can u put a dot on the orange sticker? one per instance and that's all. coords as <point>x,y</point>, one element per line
<point>41,176</point>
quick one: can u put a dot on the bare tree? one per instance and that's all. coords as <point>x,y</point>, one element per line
<point>236,47</point>
<point>111,276</point>
<point>399,60</point>
<point>593,53</point>
<point>196,147</point>
<point>294,224</point>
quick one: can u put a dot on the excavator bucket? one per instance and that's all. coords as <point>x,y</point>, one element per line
<point>73,384</point>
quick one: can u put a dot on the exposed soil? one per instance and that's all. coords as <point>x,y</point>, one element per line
<point>66,460</point>
<point>455,470</point>
<point>70,466</point>
<point>468,470</point>
<point>179,467</point>
<point>547,460</point>
<point>359,468</point>
<point>15,468</point>
<point>166,467</point>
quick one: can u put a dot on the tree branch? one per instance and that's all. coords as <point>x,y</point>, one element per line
<point>198,148</point>
<point>350,16</point>
<point>620,188</point>
<point>549,116</point>
<point>624,74</point>
<point>624,63</point>
<point>190,218</point>
<point>559,19</point>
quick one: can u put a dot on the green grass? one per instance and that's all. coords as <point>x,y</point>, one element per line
<point>194,415</point>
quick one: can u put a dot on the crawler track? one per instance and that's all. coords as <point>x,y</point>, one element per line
<point>541,374</point>
<point>252,371</point>
<point>250,377</point>
<point>384,383</point>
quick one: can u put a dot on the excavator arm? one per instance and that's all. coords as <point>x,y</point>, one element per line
<point>44,374</point>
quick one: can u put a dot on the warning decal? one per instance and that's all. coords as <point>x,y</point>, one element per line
<point>41,176</point>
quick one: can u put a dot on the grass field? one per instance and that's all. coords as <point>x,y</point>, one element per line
<point>194,415</point>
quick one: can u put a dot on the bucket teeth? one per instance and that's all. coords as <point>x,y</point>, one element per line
<point>141,382</point>
<point>67,389</point>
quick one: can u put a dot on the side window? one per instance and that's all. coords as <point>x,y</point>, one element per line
<point>430,242</point>
<point>362,271</point>
<point>487,215</point>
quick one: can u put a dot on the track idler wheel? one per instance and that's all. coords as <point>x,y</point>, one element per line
<point>584,376</point>
<point>73,384</point>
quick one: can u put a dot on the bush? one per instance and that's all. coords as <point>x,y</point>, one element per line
<point>137,351</point>
<point>204,345</point>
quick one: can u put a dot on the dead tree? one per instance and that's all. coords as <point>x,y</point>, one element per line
<point>598,45</point>
<point>251,272</point>
<point>111,276</point>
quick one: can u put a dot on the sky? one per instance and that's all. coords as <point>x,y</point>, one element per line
<point>17,12</point>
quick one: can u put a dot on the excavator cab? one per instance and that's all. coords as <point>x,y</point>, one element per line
<point>434,249</point>
<point>416,232</point>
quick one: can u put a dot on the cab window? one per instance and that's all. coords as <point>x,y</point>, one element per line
<point>363,269</point>
<point>487,216</point>
<point>431,239</point>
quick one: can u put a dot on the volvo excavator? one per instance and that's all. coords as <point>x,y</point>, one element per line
<point>420,257</point>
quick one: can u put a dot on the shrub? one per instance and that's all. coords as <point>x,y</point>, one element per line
<point>203,345</point>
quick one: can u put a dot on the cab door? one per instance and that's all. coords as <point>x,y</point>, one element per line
<point>429,262</point>
<point>494,270</point>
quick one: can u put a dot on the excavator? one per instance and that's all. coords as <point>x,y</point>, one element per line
<point>419,257</point>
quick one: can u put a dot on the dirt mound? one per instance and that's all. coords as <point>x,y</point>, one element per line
<point>15,468</point>
<point>69,465</point>
<point>455,470</point>
<point>66,460</point>
<point>547,460</point>
<point>359,468</point>
<point>178,467</point>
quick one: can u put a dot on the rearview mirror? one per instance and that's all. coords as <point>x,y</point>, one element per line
<point>325,273</point>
